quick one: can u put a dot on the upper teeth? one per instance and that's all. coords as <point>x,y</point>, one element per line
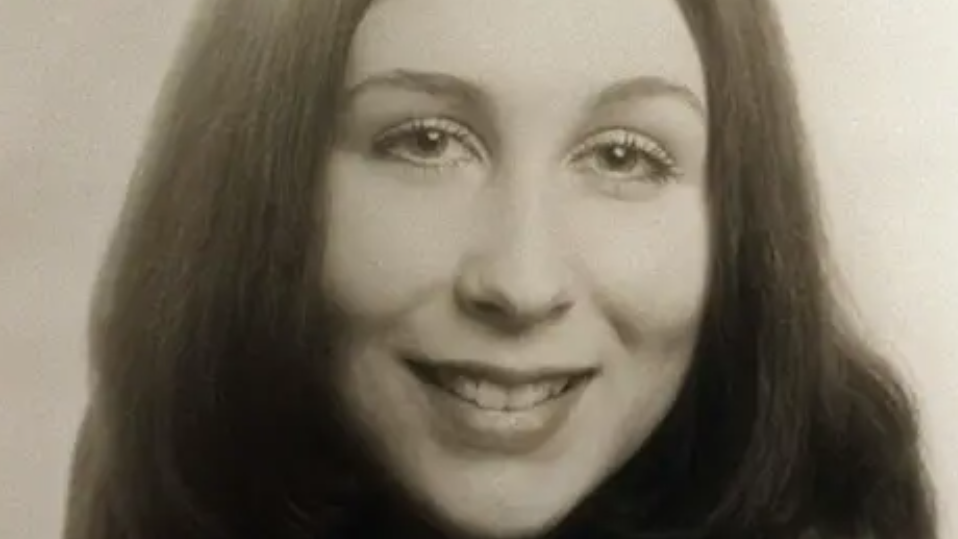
<point>492,396</point>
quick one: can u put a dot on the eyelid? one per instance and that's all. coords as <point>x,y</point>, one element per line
<point>628,136</point>
<point>453,128</point>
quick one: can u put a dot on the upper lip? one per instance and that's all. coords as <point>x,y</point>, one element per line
<point>500,375</point>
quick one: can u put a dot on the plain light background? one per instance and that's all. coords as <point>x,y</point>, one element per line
<point>78,79</point>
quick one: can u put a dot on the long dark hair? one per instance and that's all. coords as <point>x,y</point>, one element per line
<point>208,414</point>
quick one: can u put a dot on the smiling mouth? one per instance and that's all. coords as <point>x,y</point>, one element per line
<point>498,390</point>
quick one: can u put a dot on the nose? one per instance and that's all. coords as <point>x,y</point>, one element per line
<point>517,280</point>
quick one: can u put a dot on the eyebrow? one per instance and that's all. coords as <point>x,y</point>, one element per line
<point>437,84</point>
<point>449,86</point>
<point>649,87</point>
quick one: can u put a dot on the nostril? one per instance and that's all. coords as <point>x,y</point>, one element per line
<point>493,308</point>
<point>560,308</point>
<point>512,297</point>
<point>508,314</point>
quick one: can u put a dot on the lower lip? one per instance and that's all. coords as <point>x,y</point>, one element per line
<point>506,432</point>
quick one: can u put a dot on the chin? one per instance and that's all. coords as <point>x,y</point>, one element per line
<point>483,504</point>
<point>498,526</point>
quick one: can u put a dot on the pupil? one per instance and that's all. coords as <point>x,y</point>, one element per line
<point>619,157</point>
<point>430,141</point>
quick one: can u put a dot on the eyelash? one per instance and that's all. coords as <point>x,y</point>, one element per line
<point>654,154</point>
<point>388,145</point>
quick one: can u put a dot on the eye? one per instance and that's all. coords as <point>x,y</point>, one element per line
<point>432,143</point>
<point>626,156</point>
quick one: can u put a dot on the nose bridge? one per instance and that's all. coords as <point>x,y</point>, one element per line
<point>532,226</point>
<point>523,247</point>
<point>517,268</point>
<point>524,201</point>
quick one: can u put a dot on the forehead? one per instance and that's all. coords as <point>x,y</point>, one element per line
<point>539,46</point>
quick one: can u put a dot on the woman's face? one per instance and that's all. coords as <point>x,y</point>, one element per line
<point>518,239</point>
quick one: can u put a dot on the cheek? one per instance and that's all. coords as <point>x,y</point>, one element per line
<point>386,243</point>
<point>649,268</point>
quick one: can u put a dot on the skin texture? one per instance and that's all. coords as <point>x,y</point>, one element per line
<point>515,237</point>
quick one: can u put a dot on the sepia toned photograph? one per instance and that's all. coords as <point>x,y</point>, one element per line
<point>478,269</point>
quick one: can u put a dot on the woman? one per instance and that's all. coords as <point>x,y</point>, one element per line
<point>452,268</point>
